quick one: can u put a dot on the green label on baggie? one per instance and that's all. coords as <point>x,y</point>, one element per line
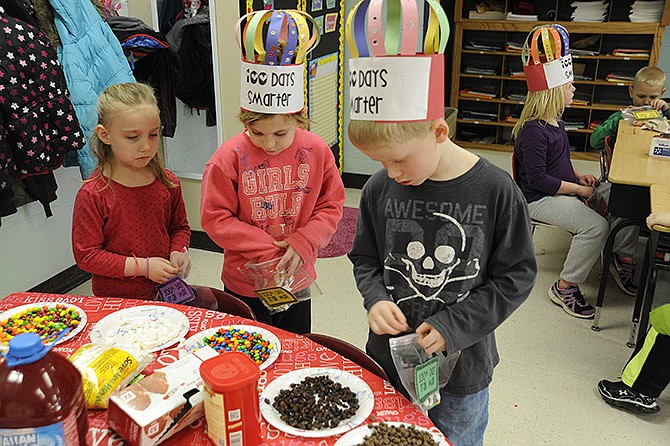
<point>426,379</point>
<point>276,296</point>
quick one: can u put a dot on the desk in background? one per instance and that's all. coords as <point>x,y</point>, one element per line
<point>631,174</point>
<point>297,352</point>
<point>633,171</point>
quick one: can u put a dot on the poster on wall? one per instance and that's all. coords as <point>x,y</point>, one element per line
<point>324,66</point>
<point>323,103</point>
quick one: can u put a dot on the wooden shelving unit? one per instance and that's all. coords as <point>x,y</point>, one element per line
<point>602,96</point>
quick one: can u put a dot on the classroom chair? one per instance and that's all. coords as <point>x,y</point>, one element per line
<point>230,304</point>
<point>349,351</point>
<point>450,116</point>
<point>606,158</point>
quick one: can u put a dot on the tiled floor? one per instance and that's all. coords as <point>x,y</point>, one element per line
<point>544,390</point>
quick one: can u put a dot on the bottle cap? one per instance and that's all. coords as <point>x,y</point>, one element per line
<point>25,348</point>
<point>229,371</point>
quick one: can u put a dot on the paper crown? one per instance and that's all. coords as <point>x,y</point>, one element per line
<point>547,62</point>
<point>396,72</point>
<point>274,46</point>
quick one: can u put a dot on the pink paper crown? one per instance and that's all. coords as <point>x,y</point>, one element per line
<point>398,45</point>
<point>547,62</point>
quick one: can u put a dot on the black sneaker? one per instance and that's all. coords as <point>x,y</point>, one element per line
<point>623,274</point>
<point>572,301</point>
<point>620,395</point>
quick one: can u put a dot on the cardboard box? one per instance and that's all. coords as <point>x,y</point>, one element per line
<point>660,146</point>
<point>160,405</point>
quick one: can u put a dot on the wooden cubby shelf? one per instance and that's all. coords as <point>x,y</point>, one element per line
<point>483,64</point>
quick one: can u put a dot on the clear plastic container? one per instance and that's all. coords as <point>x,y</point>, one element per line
<point>41,396</point>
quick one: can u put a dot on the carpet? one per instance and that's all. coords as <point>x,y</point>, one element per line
<point>343,239</point>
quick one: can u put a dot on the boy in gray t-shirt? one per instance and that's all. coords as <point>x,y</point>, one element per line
<point>443,248</point>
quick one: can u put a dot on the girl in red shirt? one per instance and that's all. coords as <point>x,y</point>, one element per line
<point>129,225</point>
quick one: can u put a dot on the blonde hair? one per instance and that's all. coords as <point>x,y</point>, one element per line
<point>117,99</point>
<point>370,135</point>
<point>249,117</point>
<point>544,105</point>
<point>653,76</point>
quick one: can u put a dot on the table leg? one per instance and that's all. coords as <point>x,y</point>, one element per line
<point>645,300</point>
<point>607,255</point>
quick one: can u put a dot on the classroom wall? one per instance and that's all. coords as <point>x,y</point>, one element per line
<point>34,248</point>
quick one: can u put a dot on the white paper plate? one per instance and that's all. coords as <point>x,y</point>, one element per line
<point>363,392</point>
<point>145,327</point>
<point>197,340</point>
<point>356,436</point>
<point>73,332</point>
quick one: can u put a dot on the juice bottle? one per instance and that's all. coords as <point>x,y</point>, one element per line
<point>41,396</point>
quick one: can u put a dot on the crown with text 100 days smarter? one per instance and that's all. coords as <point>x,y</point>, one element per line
<point>396,72</point>
<point>547,62</point>
<point>274,46</point>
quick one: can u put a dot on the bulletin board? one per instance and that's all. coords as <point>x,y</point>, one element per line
<point>324,68</point>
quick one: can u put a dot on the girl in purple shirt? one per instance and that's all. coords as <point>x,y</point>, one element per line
<point>556,191</point>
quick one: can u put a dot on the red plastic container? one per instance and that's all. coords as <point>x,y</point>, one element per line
<point>41,396</point>
<point>231,399</point>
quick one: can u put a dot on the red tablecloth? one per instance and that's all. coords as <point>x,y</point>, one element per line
<point>297,352</point>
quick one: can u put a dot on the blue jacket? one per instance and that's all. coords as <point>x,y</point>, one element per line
<point>92,60</point>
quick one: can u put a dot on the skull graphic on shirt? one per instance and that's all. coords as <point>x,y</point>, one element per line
<point>434,258</point>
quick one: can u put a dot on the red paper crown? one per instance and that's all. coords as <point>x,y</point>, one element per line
<point>547,62</point>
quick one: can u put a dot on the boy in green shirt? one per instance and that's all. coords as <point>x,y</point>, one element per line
<point>647,88</point>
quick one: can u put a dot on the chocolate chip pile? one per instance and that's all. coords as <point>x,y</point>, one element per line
<point>315,403</point>
<point>386,435</point>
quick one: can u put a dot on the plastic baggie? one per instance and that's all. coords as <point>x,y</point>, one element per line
<point>183,263</point>
<point>277,289</point>
<point>105,369</point>
<point>408,356</point>
<point>640,115</point>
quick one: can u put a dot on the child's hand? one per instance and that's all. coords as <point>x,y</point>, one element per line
<point>182,261</point>
<point>160,270</point>
<point>385,317</point>
<point>585,191</point>
<point>659,104</point>
<point>662,218</point>
<point>587,180</point>
<point>291,260</point>
<point>430,339</point>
